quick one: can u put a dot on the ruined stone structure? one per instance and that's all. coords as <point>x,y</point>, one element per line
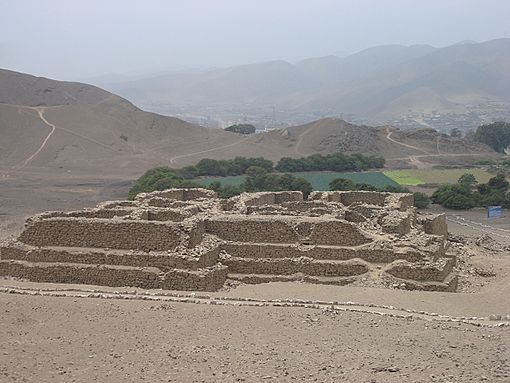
<point>188,239</point>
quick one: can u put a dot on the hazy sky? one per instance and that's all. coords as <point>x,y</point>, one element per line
<point>76,39</point>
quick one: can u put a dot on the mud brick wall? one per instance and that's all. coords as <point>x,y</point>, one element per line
<point>397,222</point>
<point>368,254</point>
<point>193,194</point>
<point>196,230</point>
<point>401,201</point>
<point>368,197</point>
<point>205,257</point>
<point>115,234</point>
<point>86,213</point>
<point>434,224</point>
<point>286,266</point>
<point>175,215</point>
<point>116,204</point>
<point>437,271</point>
<point>258,199</point>
<point>251,229</point>
<point>288,196</point>
<point>113,276</point>
<point>337,233</point>
<point>210,279</point>
<point>173,194</point>
<point>283,229</point>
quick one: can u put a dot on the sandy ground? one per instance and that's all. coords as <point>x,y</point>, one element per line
<point>80,339</point>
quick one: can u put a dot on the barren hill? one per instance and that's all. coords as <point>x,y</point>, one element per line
<point>69,127</point>
<point>72,126</point>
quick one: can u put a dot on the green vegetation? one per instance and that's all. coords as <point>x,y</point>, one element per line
<point>421,200</point>
<point>160,178</point>
<point>413,177</point>
<point>336,162</point>
<point>234,171</point>
<point>319,180</point>
<point>237,166</point>
<point>468,193</point>
<point>495,135</point>
<point>241,129</point>
<point>403,177</point>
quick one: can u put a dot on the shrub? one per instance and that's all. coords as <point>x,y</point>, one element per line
<point>241,129</point>
<point>421,200</point>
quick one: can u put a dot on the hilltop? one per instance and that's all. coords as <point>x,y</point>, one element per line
<point>72,126</point>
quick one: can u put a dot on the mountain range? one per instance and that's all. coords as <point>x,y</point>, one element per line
<point>406,85</point>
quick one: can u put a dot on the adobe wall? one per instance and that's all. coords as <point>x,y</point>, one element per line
<point>211,279</point>
<point>204,256</point>
<point>371,254</point>
<point>436,271</point>
<point>397,222</point>
<point>284,229</point>
<point>114,276</point>
<point>286,266</point>
<point>187,239</point>
<point>102,233</point>
<point>178,194</point>
<point>270,198</point>
<point>434,224</point>
<point>401,201</point>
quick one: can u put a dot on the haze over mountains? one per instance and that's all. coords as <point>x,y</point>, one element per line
<point>68,127</point>
<point>461,85</point>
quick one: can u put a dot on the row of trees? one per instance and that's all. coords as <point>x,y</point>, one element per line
<point>316,162</point>
<point>332,162</point>
<point>421,200</point>
<point>258,179</point>
<point>496,135</point>
<point>467,193</point>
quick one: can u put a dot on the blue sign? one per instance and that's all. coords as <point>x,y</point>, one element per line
<point>494,212</point>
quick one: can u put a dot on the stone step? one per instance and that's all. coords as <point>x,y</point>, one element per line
<point>104,275</point>
<point>298,277</point>
<point>206,279</point>
<point>339,253</point>
<point>203,256</point>
<point>449,284</point>
<point>436,271</point>
<point>289,266</point>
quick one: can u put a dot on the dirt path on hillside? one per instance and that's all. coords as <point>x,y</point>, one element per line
<point>300,139</point>
<point>173,159</point>
<point>25,162</point>
<point>388,137</point>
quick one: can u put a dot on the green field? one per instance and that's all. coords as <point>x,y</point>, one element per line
<point>413,177</point>
<point>319,180</point>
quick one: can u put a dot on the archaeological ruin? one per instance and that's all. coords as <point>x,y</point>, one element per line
<point>188,239</point>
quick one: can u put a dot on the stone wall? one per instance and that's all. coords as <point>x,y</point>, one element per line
<point>284,229</point>
<point>434,224</point>
<point>187,239</point>
<point>102,233</point>
<point>285,266</point>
